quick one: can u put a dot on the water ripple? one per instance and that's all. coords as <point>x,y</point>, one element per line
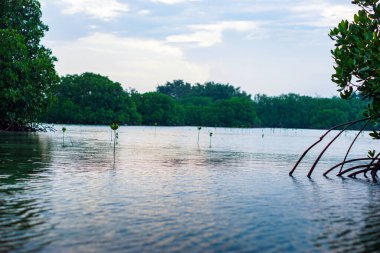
<point>165,193</point>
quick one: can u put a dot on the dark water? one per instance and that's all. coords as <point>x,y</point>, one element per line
<point>164,193</point>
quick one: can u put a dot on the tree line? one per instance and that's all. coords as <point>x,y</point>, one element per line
<point>295,111</point>
<point>94,99</point>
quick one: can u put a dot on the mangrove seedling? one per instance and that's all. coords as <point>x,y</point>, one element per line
<point>114,127</point>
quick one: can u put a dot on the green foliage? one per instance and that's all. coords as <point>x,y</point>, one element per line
<point>371,153</point>
<point>375,135</point>
<point>357,56</point>
<point>175,89</point>
<point>161,109</point>
<point>295,111</point>
<point>114,126</point>
<point>212,104</point>
<point>178,89</point>
<point>91,99</point>
<point>27,72</point>
<point>94,99</point>
<point>236,112</point>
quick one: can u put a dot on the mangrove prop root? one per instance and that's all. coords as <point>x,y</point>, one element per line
<point>313,145</point>
<point>371,165</point>
<point>352,144</point>
<point>354,168</point>
<point>372,170</point>
<point>324,150</point>
<point>349,161</point>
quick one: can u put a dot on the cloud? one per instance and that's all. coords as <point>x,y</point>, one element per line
<point>211,34</point>
<point>144,12</point>
<point>101,9</point>
<point>321,13</point>
<point>134,62</point>
<point>173,1</point>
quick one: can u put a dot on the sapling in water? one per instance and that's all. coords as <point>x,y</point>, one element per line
<point>114,127</point>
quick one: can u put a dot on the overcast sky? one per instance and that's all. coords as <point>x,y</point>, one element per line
<point>263,46</point>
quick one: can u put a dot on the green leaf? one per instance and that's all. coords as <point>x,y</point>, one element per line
<point>371,153</point>
<point>346,93</point>
<point>375,135</point>
<point>356,18</point>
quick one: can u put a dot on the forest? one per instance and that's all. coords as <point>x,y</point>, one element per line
<point>94,99</point>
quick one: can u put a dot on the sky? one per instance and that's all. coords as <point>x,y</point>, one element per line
<point>268,47</point>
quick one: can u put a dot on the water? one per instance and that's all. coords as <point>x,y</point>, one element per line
<point>162,192</point>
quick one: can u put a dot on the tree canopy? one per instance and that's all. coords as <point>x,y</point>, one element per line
<point>295,111</point>
<point>27,71</point>
<point>212,104</point>
<point>357,56</point>
<point>94,99</point>
<point>91,99</point>
<point>158,108</point>
<point>179,89</point>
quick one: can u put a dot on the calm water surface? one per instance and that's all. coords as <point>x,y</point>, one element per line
<point>164,193</point>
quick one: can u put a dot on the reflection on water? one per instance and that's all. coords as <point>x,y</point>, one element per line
<point>369,233</point>
<point>164,192</point>
<point>24,224</point>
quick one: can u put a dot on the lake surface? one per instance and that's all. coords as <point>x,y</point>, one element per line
<point>162,192</point>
